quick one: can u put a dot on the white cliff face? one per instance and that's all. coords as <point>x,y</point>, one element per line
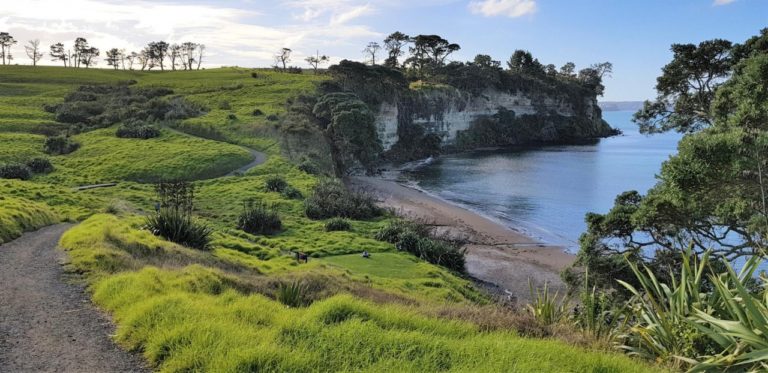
<point>447,112</point>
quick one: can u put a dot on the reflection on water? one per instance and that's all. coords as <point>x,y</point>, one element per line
<point>547,190</point>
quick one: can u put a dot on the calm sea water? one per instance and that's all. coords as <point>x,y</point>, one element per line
<point>547,190</point>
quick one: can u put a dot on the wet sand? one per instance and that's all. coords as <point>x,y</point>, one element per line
<point>496,254</point>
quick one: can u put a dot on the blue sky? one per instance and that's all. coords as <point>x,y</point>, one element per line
<point>634,35</point>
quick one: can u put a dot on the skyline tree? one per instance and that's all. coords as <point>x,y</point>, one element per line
<point>33,51</point>
<point>6,41</point>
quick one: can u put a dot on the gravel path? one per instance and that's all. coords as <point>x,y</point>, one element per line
<point>47,323</point>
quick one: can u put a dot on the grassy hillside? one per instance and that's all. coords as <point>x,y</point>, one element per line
<point>224,309</point>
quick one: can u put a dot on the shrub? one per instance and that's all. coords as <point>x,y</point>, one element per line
<point>416,239</point>
<point>275,184</point>
<point>177,226</point>
<point>40,165</point>
<point>272,117</point>
<point>257,112</point>
<point>231,116</point>
<point>309,167</point>
<point>174,220</point>
<point>547,308</point>
<point>257,218</point>
<point>292,193</point>
<point>254,75</point>
<point>224,105</point>
<point>330,199</point>
<point>58,145</point>
<point>15,171</point>
<point>294,294</point>
<point>137,130</point>
<point>337,224</point>
<point>294,70</point>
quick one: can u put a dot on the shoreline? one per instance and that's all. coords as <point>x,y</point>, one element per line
<point>496,253</point>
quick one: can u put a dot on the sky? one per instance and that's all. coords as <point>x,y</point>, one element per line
<point>634,35</point>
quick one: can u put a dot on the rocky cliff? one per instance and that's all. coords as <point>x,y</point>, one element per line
<point>448,113</point>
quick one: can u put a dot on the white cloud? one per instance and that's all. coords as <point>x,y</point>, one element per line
<point>722,2</point>
<point>508,8</point>
<point>232,35</point>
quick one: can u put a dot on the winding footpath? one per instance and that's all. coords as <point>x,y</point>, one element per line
<point>48,323</point>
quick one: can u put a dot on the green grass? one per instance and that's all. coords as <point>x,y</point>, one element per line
<point>186,309</point>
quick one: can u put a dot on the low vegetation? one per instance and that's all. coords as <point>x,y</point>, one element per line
<point>331,199</point>
<point>258,218</point>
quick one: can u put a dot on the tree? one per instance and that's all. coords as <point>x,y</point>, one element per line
<point>568,70</point>
<point>592,77</point>
<point>84,53</point>
<point>316,60</point>
<point>144,60</point>
<point>81,45</point>
<point>394,44</point>
<point>33,51</point>
<point>188,54</point>
<point>283,57</point>
<point>59,54</point>
<point>114,58</point>
<point>200,51</point>
<point>485,61</point>
<point>687,87</point>
<point>712,194</point>
<point>157,52</point>
<point>131,58</point>
<point>175,54</point>
<point>371,50</point>
<point>429,52</point>
<point>6,41</point>
<point>523,62</point>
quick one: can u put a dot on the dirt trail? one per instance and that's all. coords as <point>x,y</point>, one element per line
<point>47,323</point>
<point>258,158</point>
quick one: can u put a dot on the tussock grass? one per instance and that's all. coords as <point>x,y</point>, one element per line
<point>18,215</point>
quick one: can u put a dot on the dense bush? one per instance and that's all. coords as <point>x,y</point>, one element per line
<point>58,145</point>
<point>177,226</point>
<point>257,112</point>
<point>257,218</point>
<point>309,167</point>
<point>40,165</point>
<point>294,70</point>
<point>275,184</point>
<point>15,171</point>
<point>416,239</point>
<point>254,75</point>
<point>272,117</point>
<point>136,129</point>
<point>291,193</point>
<point>337,224</point>
<point>330,199</point>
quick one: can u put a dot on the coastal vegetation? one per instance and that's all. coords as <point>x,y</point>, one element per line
<point>209,261</point>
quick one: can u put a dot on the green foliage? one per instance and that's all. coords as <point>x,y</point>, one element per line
<point>547,308</point>
<point>257,218</point>
<point>15,171</point>
<point>331,199</point>
<point>40,165</point>
<point>58,145</point>
<point>275,184</point>
<point>337,224</point>
<point>137,130</point>
<point>291,193</point>
<point>174,221</point>
<point>293,294</point>
<point>416,239</point>
<point>18,215</point>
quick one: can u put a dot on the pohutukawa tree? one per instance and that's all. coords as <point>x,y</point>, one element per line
<point>371,50</point>
<point>6,41</point>
<point>33,51</point>
<point>713,194</point>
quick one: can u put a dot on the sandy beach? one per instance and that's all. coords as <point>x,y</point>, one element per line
<point>496,254</point>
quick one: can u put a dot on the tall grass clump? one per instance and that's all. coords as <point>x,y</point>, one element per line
<point>337,224</point>
<point>331,199</point>
<point>293,294</point>
<point>275,184</point>
<point>546,307</point>
<point>257,218</point>
<point>173,221</point>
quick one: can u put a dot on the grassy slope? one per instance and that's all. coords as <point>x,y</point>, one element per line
<point>213,310</point>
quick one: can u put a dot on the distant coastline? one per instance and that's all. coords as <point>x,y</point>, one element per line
<point>620,105</point>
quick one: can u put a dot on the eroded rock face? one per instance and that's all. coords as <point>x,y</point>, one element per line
<point>448,111</point>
